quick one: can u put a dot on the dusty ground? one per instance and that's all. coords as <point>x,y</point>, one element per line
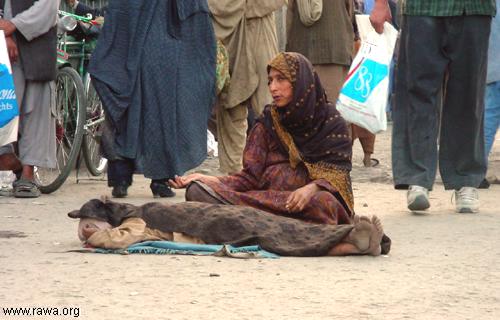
<point>442,266</point>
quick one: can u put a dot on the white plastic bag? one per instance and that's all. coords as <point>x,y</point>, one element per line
<point>212,147</point>
<point>6,179</point>
<point>9,111</point>
<point>363,97</point>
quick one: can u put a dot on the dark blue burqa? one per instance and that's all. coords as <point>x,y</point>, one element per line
<point>154,70</point>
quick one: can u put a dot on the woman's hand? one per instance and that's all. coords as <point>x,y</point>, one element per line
<point>298,200</point>
<point>181,182</point>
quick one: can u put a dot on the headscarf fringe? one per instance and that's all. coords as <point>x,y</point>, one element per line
<point>339,179</point>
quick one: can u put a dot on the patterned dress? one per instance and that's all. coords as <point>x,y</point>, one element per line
<point>267,180</point>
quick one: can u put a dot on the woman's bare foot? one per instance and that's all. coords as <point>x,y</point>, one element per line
<point>360,234</point>
<point>376,237</point>
<point>366,235</point>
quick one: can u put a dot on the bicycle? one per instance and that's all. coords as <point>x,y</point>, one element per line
<point>78,113</point>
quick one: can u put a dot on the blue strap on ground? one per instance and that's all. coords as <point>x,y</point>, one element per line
<point>169,247</point>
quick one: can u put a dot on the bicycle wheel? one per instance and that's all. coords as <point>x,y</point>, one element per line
<point>96,164</point>
<point>70,117</point>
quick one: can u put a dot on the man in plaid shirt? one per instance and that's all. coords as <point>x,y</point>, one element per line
<point>443,51</point>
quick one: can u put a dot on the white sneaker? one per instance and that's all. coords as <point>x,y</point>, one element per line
<point>418,198</point>
<point>467,200</point>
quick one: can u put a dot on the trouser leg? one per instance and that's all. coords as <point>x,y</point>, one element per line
<point>462,159</point>
<point>37,128</point>
<point>120,172</point>
<point>231,131</point>
<point>195,192</point>
<point>420,73</point>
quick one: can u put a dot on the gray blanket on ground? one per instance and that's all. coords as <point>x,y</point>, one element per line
<point>224,224</point>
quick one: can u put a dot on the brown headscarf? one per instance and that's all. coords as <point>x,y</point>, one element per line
<point>310,128</point>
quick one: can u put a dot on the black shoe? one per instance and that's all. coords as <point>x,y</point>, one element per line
<point>119,191</point>
<point>161,189</point>
<point>485,184</point>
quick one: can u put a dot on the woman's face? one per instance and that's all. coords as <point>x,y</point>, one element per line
<point>280,87</point>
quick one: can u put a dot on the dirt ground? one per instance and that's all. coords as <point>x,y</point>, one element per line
<point>442,265</point>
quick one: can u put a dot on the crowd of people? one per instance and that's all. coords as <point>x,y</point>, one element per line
<point>285,148</point>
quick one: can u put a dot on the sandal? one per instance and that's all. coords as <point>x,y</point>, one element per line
<point>373,163</point>
<point>25,189</point>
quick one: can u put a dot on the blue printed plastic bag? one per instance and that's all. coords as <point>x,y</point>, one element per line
<point>363,97</point>
<point>8,101</point>
<point>9,110</point>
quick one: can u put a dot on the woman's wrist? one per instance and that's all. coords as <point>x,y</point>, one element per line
<point>314,187</point>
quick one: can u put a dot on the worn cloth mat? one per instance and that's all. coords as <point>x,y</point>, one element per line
<point>226,224</point>
<point>169,247</point>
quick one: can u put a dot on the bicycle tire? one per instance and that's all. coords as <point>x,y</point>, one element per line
<point>96,164</point>
<point>70,118</point>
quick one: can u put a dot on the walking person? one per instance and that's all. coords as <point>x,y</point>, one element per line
<point>154,70</point>
<point>248,31</point>
<point>440,39</point>
<point>30,30</point>
<point>323,32</point>
<point>365,137</point>
<point>492,95</point>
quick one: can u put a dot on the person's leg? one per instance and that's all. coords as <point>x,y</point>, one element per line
<point>367,140</point>
<point>120,173</point>
<point>231,136</point>
<point>420,73</point>
<point>9,161</point>
<point>325,208</point>
<point>461,156</point>
<point>194,192</point>
<point>368,145</point>
<point>37,136</point>
<point>491,115</point>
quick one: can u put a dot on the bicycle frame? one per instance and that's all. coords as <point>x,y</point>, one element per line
<point>76,120</point>
<point>69,51</point>
<point>77,53</point>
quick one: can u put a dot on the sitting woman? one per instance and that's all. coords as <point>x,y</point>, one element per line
<point>298,155</point>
